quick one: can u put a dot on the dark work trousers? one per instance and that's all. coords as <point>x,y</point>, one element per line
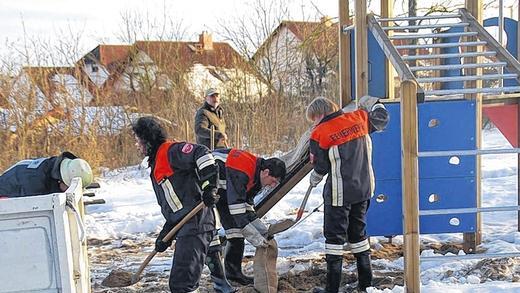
<point>344,224</point>
<point>188,261</point>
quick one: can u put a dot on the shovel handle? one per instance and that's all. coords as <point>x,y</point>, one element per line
<point>168,236</point>
<point>304,203</point>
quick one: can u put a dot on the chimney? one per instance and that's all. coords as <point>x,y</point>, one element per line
<point>206,41</point>
<point>327,20</point>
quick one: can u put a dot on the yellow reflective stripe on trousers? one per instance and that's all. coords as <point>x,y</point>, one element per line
<point>233,233</point>
<point>334,249</point>
<point>359,246</point>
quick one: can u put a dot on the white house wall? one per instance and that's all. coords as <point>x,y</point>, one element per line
<point>284,62</point>
<point>23,91</point>
<point>74,91</point>
<point>234,83</point>
<point>98,77</point>
<point>142,66</point>
<point>199,78</point>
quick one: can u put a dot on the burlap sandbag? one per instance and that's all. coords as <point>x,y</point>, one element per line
<point>266,278</point>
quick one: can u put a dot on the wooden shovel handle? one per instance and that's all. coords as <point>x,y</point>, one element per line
<point>166,238</point>
<point>304,203</point>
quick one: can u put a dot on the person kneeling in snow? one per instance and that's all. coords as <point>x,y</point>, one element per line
<point>44,175</point>
<point>241,176</point>
<point>179,171</point>
<point>340,145</point>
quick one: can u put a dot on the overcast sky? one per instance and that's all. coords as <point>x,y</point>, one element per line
<point>100,21</point>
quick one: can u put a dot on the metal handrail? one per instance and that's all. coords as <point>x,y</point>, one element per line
<point>512,64</point>
<point>391,53</point>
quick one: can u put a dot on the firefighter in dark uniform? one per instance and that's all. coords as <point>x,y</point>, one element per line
<point>179,171</point>
<point>340,146</point>
<point>44,175</point>
<point>241,176</point>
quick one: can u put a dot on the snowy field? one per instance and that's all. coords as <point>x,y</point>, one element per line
<point>131,217</point>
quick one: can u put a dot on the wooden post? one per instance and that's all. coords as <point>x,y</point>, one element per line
<point>387,11</point>
<point>361,49</point>
<point>212,137</point>
<point>345,88</point>
<point>410,177</point>
<point>471,240</point>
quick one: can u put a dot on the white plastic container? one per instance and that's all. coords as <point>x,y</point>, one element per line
<point>43,243</point>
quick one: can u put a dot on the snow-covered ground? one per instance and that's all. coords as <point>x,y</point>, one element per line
<point>131,212</point>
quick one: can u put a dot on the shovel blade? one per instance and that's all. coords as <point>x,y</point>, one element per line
<point>280,226</point>
<point>119,278</point>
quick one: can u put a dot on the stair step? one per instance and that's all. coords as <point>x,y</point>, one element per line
<point>467,77</point>
<point>458,66</point>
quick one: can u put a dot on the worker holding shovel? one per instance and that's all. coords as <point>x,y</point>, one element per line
<point>179,171</point>
<point>241,176</point>
<point>340,146</point>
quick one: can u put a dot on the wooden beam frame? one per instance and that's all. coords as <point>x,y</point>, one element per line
<point>387,11</point>
<point>473,14</point>
<point>345,88</point>
<point>410,186</point>
<point>361,41</point>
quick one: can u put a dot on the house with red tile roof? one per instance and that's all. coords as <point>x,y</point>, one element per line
<point>300,57</point>
<point>103,61</point>
<point>195,65</point>
<point>42,89</point>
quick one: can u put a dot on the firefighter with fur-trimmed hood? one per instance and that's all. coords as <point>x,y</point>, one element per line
<point>182,175</point>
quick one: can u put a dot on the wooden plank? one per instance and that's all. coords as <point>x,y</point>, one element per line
<point>300,172</point>
<point>345,88</point>
<point>473,14</point>
<point>387,11</point>
<point>361,41</point>
<point>410,186</point>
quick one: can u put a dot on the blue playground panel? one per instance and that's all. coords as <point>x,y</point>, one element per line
<point>510,29</point>
<point>454,184</point>
<point>376,73</point>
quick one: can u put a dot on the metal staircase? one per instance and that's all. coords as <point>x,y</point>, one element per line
<point>418,51</point>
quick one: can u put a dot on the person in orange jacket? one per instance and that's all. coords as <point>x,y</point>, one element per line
<point>241,176</point>
<point>182,175</point>
<point>340,146</point>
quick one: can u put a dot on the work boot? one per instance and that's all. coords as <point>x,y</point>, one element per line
<point>334,267</point>
<point>233,261</point>
<point>364,268</point>
<point>216,267</point>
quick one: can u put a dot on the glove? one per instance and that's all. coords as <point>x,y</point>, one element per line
<point>210,196</point>
<point>367,103</point>
<point>315,178</point>
<point>251,234</point>
<point>160,245</point>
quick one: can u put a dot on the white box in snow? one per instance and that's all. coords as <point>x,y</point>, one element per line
<point>43,245</point>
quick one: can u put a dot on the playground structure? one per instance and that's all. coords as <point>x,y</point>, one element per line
<point>427,163</point>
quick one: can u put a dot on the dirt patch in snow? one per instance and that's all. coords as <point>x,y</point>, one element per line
<point>128,254</point>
